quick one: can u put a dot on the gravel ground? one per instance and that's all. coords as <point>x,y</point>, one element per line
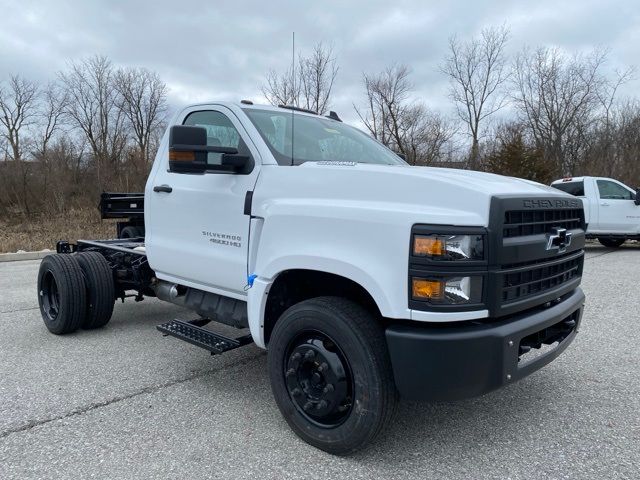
<point>125,402</point>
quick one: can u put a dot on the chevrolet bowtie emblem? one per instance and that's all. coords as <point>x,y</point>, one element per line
<point>559,240</point>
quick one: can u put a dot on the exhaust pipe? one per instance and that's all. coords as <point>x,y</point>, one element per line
<point>170,292</point>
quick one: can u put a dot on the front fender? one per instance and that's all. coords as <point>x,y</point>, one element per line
<point>259,292</point>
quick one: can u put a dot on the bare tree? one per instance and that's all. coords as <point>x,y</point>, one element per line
<point>143,99</point>
<point>477,71</point>
<point>282,88</point>
<point>558,98</point>
<point>387,94</point>
<point>47,123</point>
<point>613,146</point>
<point>309,85</point>
<point>94,107</point>
<point>317,73</point>
<point>403,125</point>
<point>18,109</point>
<point>430,137</point>
<point>603,137</point>
<point>49,118</point>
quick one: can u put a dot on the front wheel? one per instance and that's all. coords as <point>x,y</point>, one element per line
<point>611,242</point>
<point>331,375</point>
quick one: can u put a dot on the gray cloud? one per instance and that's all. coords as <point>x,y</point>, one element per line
<point>222,50</point>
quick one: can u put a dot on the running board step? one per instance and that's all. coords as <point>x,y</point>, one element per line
<point>201,337</point>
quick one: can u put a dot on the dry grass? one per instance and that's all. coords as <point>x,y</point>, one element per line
<point>43,231</point>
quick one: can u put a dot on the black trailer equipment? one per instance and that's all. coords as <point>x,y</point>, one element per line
<point>126,206</point>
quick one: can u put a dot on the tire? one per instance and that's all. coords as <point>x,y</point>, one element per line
<point>361,403</point>
<point>611,242</point>
<point>131,232</point>
<point>101,293</point>
<point>61,293</point>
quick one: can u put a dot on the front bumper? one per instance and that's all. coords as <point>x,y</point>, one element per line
<point>455,362</point>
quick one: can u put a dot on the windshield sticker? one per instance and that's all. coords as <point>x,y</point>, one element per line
<point>338,163</point>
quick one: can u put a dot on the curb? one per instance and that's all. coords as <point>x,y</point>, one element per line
<point>15,257</point>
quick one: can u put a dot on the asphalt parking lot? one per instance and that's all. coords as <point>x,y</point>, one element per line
<point>126,402</point>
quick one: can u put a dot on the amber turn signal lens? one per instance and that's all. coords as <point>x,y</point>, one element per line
<point>179,156</point>
<point>432,246</point>
<point>428,289</point>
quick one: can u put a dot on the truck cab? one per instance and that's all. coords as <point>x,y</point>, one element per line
<point>612,208</point>
<point>363,277</point>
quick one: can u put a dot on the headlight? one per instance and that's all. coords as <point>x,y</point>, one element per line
<point>449,247</point>
<point>448,290</point>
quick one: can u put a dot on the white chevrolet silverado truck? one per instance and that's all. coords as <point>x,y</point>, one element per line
<point>364,278</point>
<point>612,209</point>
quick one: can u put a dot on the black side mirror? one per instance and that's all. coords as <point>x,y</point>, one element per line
<point>188,152</point>
<point>637,199</point>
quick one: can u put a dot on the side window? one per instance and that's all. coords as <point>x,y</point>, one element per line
<point>613,191</point>
<point>220,132</point>
<point>574,188</point>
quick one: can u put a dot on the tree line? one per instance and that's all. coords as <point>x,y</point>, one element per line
<point>94,128</point>
<point>539,114</point>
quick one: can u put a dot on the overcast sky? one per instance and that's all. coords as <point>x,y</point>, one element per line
<point>223,49</point>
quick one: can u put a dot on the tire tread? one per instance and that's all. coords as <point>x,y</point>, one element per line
<point>100,289</point>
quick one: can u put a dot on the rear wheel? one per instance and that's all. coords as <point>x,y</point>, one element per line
<point>61,293</point>
<point>611,242</point>
<point>100,289</point>
<point>331,374</point>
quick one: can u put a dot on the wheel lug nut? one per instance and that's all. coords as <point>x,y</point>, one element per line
<point>328,388</point>
<point>310,355</point>
<point>290,373</point>
<point>307,406</point>
<point>323,367</point>
<point>321,404</point>
<point>296,357</point>
<point>296,392</point>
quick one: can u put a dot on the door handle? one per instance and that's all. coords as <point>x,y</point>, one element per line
<point>604,204</point>
<point>163,188</point>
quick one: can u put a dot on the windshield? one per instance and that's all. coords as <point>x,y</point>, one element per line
<point>317,139</point>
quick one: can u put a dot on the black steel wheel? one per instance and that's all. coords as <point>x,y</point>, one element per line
<point>61,293</point>
<point>331,375</point>
<point>319,379</point>
<point>611,242</point>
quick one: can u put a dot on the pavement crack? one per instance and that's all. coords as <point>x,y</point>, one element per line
<point>600,255</point>
<point>151,389</point>
<point>20,310</point>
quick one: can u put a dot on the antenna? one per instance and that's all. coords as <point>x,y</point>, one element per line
<point>293,86</point>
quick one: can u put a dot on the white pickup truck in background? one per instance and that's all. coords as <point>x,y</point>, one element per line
<point>612,209</point>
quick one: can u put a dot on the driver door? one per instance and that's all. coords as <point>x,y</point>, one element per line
<point>199,235</point>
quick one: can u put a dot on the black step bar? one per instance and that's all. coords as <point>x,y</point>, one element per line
<point>203,338</point>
